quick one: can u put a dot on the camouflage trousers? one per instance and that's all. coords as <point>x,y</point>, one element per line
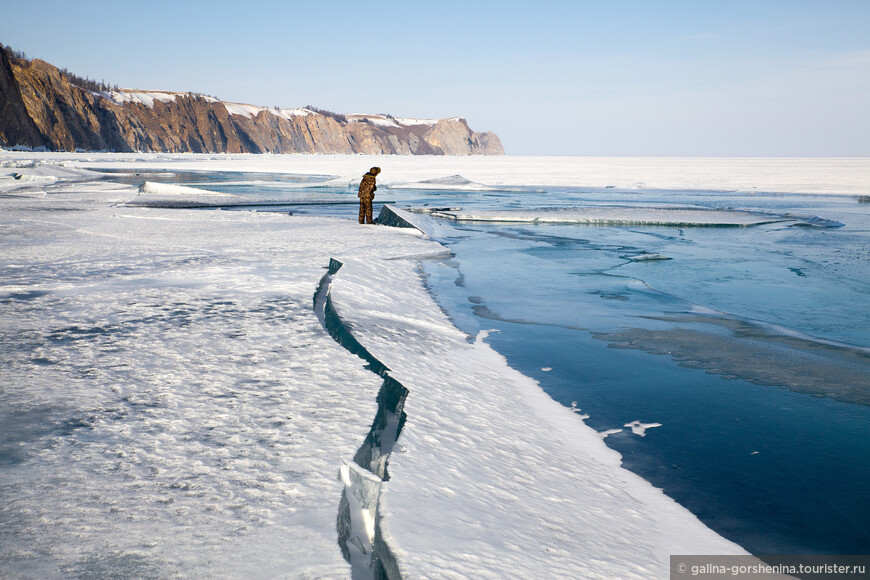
<point>365,211</point>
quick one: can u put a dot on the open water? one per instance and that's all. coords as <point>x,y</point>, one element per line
<point>749,346</point>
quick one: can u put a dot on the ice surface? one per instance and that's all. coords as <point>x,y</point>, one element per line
<point>616,215</point>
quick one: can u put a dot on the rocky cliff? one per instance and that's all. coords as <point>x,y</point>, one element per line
<point>41,108</point>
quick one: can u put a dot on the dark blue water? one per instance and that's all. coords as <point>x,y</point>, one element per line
<point>751,346</point>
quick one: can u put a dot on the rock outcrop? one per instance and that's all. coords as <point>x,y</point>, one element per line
<point>41,108</point>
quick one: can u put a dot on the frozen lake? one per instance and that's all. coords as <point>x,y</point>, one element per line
<point>172,403</point>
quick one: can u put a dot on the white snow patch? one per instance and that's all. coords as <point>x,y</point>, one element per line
<point>409,122</point>
<point>249,111</point>
<point>388,121</point>
<point>146,98</point>
<point>377,120</point>
<point>242,110</point>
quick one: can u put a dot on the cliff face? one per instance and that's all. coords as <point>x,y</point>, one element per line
<point>39,107</point>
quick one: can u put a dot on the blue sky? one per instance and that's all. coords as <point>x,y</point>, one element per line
<point>598,78</point>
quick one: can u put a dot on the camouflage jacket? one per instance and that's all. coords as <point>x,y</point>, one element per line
<point>367,187</point>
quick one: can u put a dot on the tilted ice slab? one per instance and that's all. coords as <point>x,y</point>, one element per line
<point>617,215</point>
<point>490,478</point>
<point>450,183</point>
<point>157,188</point>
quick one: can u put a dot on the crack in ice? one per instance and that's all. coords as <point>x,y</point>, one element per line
<point>358,533</point>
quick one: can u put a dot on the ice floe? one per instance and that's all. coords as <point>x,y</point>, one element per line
<point>608,432</point>
<point>639,428</point>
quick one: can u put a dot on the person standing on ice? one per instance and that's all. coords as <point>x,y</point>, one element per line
<point>367,189</point>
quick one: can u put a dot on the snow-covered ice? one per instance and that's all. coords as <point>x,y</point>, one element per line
<point>171,406</point>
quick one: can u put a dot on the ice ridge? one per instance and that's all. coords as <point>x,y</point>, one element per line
<point>358,523</point>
